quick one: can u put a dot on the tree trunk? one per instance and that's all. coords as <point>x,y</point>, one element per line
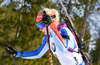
<point>85,18</point>
<point>69,7</point>
<point>19,27</point>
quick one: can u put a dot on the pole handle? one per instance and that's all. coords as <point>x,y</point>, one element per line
<point>7,46</point>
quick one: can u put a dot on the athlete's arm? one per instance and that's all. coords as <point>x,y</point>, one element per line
<point>64,34</point>
<point>34,53</point>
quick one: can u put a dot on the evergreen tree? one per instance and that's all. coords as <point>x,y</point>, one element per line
<point>29,37</point>
<point>96,53</point>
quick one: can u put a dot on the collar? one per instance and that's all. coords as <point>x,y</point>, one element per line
<point>61,25</point>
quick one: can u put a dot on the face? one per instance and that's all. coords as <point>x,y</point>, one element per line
<point>44,30</point>
<point>44,27</point>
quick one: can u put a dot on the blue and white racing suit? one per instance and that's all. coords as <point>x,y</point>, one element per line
<point>59,50</point>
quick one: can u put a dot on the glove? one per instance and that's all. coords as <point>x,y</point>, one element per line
<point>46,19</point>
<point>10,50</point>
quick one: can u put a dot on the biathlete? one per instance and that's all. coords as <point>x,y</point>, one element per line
<point>67,52</point>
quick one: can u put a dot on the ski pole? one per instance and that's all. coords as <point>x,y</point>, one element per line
<point>50,55</point>
<point>11,55</point>
<point>13,59</point>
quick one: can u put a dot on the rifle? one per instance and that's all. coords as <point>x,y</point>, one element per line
<point>80,43</point>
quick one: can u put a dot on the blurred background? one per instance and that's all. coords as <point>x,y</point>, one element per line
<point>17,27</point>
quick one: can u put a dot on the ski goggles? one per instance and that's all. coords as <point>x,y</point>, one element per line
<point>40,25</point>
<point>39,21</point>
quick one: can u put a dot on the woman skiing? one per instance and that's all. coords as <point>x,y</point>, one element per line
<point>62,44</point>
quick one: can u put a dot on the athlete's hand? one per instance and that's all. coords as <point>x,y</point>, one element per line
<point>10,50</point>
<point>46,19</point>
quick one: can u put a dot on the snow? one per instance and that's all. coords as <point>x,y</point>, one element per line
<point>5,2</point>
<point>94,20</point>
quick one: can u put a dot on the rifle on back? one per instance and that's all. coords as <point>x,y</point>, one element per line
<point>80,43</point>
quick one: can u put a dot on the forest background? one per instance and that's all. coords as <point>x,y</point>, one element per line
<point>18,29</point>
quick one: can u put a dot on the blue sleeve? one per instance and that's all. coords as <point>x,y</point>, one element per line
<point>64,32</point>
<point>35,53</point>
